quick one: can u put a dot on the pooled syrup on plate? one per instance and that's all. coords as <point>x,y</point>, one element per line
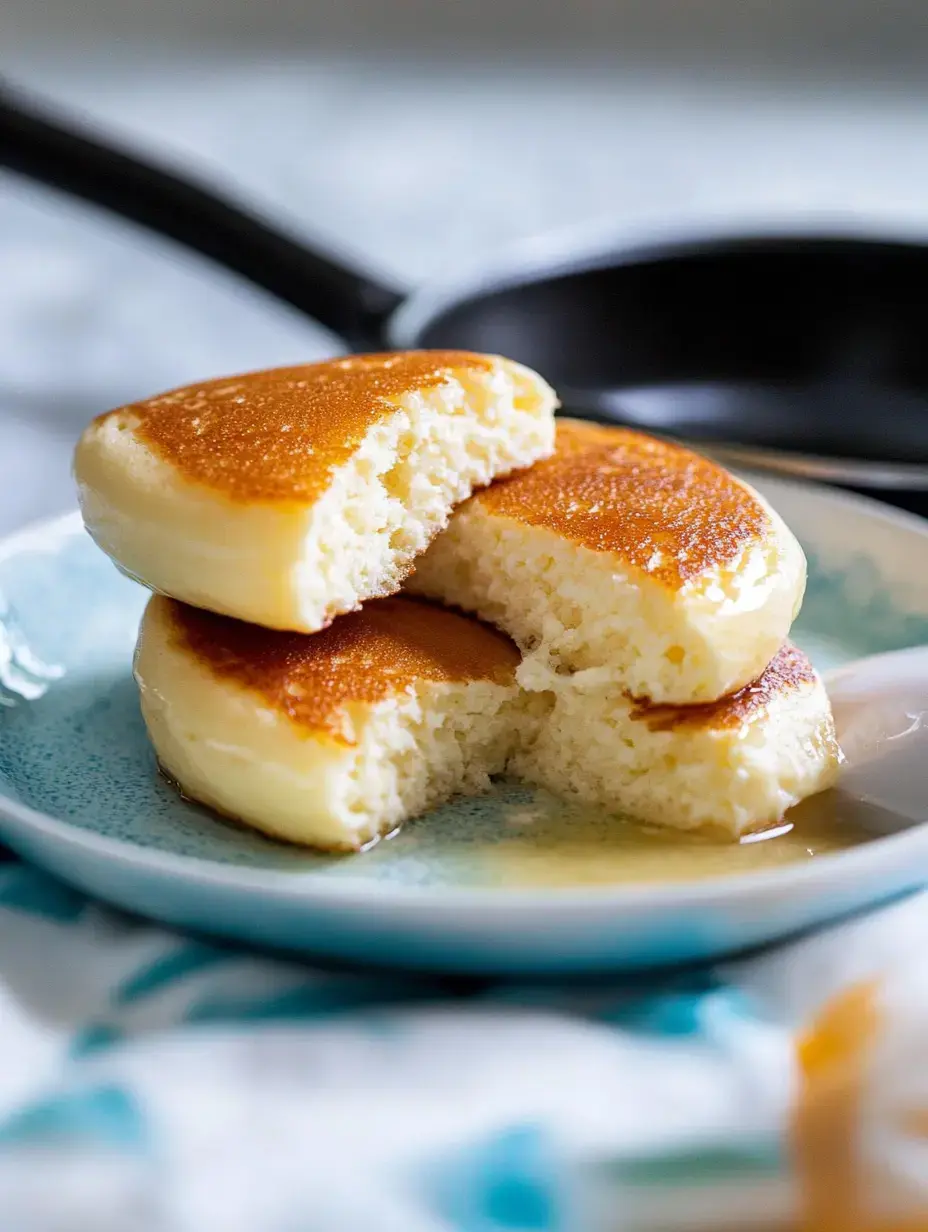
<point>539,841</point>
<point>549,843</point>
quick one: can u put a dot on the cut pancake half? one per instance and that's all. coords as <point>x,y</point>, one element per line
<point>624,560</point>
<point>731,766</point>
<point>334,738</point>
<point>289,496</point>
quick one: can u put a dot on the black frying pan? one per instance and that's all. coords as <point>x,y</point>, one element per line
<point>801,353</point>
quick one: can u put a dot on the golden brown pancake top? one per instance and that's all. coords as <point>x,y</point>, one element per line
<point>658,506</point>
<point>787,671</point>
<point>364,657</point>
<point>278,435</point>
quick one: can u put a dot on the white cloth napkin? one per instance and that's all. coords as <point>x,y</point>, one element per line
<point>155,1083</point>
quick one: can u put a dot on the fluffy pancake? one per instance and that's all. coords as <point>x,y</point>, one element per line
<point>732,765</point>
<point>334,738</point>
<point>289,496</point>
<point>624,560</point>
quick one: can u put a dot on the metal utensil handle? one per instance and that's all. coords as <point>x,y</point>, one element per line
<point>63,156</point>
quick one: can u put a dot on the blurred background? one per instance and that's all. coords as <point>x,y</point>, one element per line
<point>422,137</point>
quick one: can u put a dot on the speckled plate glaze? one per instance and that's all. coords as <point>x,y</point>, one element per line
<point>79,793</point>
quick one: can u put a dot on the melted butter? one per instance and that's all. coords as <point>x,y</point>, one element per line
<point>547,843</point>
<point>278,435</point>
<point>668,512</point>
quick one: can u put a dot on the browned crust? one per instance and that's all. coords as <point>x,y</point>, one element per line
<point>277,435</point>
<point>365,657</point>
<point>657,506</point>
<point>787,672</point>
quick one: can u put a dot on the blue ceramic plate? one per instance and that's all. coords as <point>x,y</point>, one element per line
<point>480,885</point>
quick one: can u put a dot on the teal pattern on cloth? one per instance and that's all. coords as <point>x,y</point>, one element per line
<point>508,1177</point>
<point>508,1183</point>
<point>107,1115</point>
<point>188,959</point>
<point>22,889</point>
<point>264,1094</point>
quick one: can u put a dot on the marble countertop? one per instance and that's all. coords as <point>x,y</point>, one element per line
<point>416,168</point>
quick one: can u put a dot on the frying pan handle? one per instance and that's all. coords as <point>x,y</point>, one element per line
<point>52,152</point>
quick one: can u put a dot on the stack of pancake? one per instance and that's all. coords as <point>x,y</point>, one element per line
<point>381,580</point>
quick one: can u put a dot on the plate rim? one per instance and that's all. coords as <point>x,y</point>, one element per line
<point>47,534</point>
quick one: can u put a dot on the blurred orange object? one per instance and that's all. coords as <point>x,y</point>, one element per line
<point>844,1185</point>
